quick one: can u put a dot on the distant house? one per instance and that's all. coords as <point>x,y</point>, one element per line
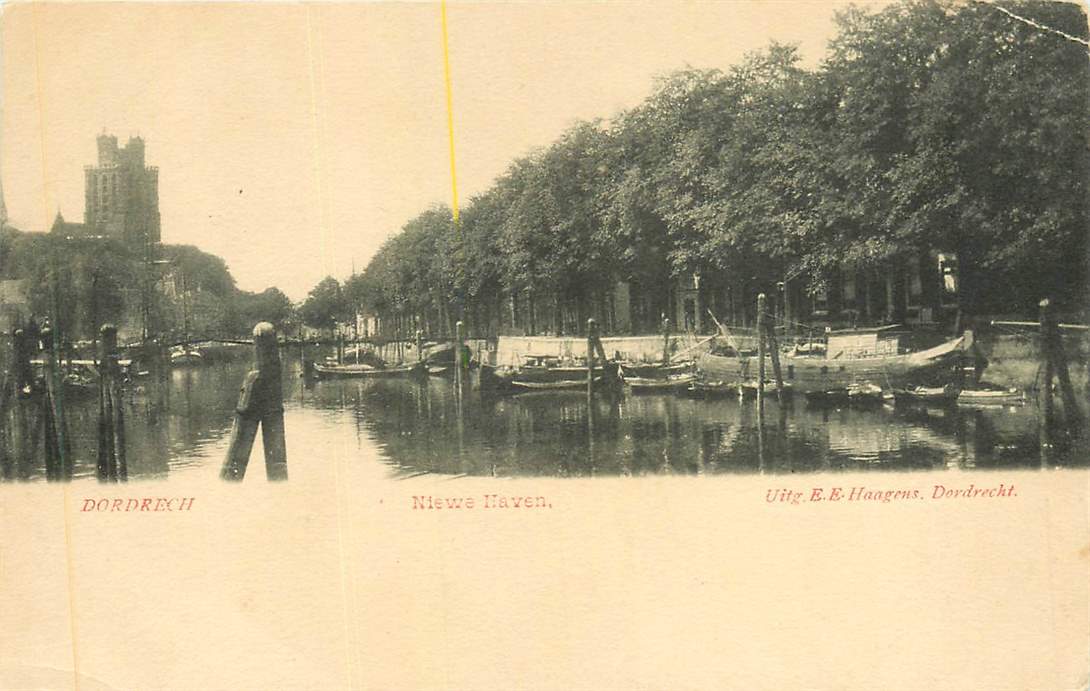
<point>14,304</point>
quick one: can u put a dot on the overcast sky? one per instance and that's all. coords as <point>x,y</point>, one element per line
<point>291,140</point>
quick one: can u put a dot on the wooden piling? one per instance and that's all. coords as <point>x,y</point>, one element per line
<point>1052,345</point>
<point>592,336</point>
<point>666,340</point>
<point>53,410</point>
<point>1044,390</point>
<point>459,358</point>
<point>419,345</point>
<point>774,351</point>
<point>260,403</point>
<point>760,347</point>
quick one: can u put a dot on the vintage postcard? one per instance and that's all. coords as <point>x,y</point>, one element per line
<point>544,345</point>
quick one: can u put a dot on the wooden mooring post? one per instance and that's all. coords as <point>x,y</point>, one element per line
<point>760,348</point>
<point>666,330</point>
<point>112,460</point>
<point>592,335</point>
<point>57,456</point>
<point>1054,365</point>
<point>260,402</point>
<point>774,352</point>
<point>461,362</point>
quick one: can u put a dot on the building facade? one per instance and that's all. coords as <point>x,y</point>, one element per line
<point>121,196</point>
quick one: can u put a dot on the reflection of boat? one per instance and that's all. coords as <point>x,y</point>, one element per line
<point>673,382</point>
<point>827,396</point>
<point>327,370</point>
<point>824,374</point>
<point>986,397</point>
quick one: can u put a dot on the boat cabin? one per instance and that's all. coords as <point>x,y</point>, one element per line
<point>868,342</point>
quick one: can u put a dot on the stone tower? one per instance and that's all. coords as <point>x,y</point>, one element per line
<point>121,193</point>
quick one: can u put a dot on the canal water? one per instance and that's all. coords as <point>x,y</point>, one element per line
<point>409,427</point>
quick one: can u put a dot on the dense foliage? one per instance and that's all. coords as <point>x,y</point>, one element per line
<point>178,290</point>
<point>931,125</point>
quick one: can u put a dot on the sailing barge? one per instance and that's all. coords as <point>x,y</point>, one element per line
<point>837,371</point>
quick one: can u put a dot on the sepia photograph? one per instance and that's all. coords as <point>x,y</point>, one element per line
<point>858,245</point>
<point>333,287</point>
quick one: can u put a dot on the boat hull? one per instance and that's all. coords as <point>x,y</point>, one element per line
<point>809,374</point>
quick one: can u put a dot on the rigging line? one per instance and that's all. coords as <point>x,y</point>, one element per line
<point>1037,25</point>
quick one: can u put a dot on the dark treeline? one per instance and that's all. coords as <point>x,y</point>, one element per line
<point>930,126</point>
<point>177,291</point>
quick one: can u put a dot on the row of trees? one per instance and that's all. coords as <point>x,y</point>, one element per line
<point>930,125</point>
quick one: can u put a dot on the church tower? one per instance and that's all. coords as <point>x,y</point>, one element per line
<point>121,197</point>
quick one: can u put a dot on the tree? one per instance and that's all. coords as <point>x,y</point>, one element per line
<point>325,305</point>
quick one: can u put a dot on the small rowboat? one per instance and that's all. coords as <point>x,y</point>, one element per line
<point>748,389</point>
<point>990,397</point>
<point>711,389</point>
<point>438,370</point>
<point>186,356</point>
<point>655,370</point>
<point>560,385</point>
<point>928,394</point>
<point>865,393</point>
<point>676,382</point>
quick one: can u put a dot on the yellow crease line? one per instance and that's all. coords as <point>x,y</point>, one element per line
<point>69,565</point>
<point>450,112</point>
<point>317,133</point>
<point>316,86</point>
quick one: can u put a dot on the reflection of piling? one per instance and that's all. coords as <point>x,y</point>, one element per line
<point>19,390</point>
<point>16,387</point>
<point>112,464</point>
<point>260,402</point>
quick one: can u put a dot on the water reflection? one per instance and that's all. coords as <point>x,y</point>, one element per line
<point>420,426</point>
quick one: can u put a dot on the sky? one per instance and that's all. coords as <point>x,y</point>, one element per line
<point>293,139</point>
